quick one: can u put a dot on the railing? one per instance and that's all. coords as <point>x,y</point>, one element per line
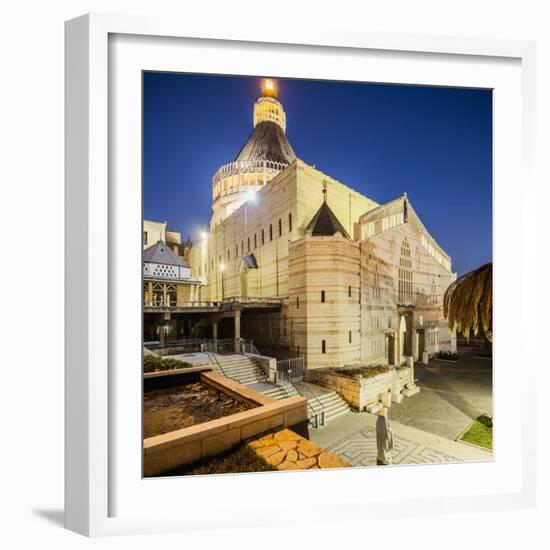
<point>249,347</point>
<point>189,344</point>
<point>214,361</point>
<point>251,300</point>
<point>161,304</point>
<point>245,166</point>
<point>178,303</point>
<point>228,346</point>
<point>290,369</point>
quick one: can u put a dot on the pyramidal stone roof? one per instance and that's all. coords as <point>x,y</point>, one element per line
<point>159,253</point>
<point>267,142</point>
<point>325,223</point>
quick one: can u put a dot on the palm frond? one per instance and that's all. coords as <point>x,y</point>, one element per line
<point>468,302</point>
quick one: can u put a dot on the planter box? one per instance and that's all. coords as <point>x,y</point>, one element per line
<point>362,392</point>
<point>172,450</point>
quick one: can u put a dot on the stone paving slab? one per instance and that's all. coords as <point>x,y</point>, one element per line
<point>286,450</point>
<point>353,438</point>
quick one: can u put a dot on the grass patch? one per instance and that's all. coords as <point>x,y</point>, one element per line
<point>154,363</point>
<point>240,460</point>
<point>480,433</point>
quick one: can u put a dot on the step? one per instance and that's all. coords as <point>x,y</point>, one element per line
<point>244,371</point>
<point>333,417</point>
<point>335,407</point>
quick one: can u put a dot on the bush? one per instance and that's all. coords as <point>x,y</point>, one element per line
<point>243,459</point>
<point>154,363</point>
<point>447,355</point>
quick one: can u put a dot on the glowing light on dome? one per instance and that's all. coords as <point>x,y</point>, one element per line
<point>269,88</point>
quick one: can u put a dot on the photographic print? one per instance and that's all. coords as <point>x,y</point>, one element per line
<point>317,274</point>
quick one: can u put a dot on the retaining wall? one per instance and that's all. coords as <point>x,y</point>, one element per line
<point>166,452</point>
<point>360,392</point>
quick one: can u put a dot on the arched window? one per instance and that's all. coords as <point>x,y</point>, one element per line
<point>322,296</point>
<point>323,346</point>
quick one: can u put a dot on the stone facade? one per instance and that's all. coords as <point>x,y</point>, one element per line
<point>369,292</point>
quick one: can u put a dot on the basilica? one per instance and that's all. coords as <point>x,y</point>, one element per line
<point>300,263</point>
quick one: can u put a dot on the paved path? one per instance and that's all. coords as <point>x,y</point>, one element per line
<point>451,395</point>
<point>352,437</point>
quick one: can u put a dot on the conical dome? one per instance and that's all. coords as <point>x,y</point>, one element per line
<point>267,142</point>
<point>265,154</point>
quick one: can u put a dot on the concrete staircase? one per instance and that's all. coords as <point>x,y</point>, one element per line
<point>331,404</point>
<point>241,368</point>
<point>281,392</point>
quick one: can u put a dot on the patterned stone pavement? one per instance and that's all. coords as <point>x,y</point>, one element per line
<point>359,449</point>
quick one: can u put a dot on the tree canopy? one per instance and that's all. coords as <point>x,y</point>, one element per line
<point>468,303</point>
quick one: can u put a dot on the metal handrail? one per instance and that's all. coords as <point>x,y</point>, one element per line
<point>315,398</point>
<point>213,359</point>
<point>180,303</point>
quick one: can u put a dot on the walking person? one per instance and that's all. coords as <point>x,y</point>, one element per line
<point>384,439</point>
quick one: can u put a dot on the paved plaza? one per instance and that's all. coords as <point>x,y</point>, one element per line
<point>425,425</point>
<point>353,438</point>
<point>452,395</point>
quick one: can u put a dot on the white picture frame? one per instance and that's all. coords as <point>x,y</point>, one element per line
<point>95,224</point>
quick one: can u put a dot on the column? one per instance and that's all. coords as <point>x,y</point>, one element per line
<point>215,335</point>
<point>237,319</point>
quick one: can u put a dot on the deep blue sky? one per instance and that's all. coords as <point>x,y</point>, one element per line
<point>434,143</point>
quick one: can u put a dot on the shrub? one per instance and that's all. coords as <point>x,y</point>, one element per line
<point>154,363</point>
<point>447,355</point>
<point>243,459</point>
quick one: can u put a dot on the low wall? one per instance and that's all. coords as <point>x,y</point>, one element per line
<point>166,452</point>
<point>267,364</point>
<point>360,392</point>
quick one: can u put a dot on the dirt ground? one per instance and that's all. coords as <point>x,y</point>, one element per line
<point>171,409</point>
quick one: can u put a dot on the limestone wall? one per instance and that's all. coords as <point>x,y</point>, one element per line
<point>324,301</point>
<point>381,261</point>
<point>360,392</point>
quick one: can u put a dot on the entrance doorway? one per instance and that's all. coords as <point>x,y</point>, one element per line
<point>405,337</point>
<point>390,343</point>
<point>421,338</point>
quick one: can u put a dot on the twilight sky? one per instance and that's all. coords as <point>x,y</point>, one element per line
<point>434,143</point>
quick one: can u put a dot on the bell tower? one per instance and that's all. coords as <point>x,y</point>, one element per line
<point>265,154</point>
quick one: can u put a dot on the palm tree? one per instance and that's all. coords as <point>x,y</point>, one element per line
<point>468,303</point>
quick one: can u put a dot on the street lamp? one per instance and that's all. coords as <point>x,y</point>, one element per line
<point>222,269</point>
